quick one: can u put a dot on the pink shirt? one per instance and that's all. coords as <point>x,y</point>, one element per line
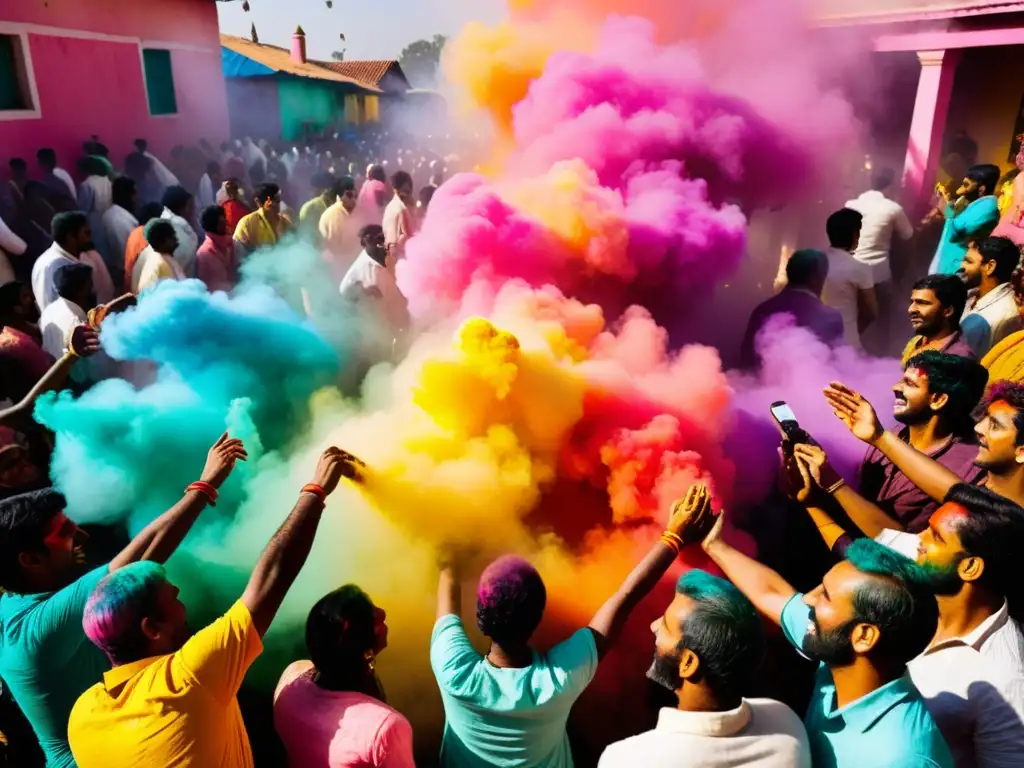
<point>337,729</point>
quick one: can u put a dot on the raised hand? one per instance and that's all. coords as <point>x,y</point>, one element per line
<point>83,341</point>
<point>221,459</point>
<point>335,464</point>
<point>818,467</point>
<point>854,411</point>
<point>691,517</point>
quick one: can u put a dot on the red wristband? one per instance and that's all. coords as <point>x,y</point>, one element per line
<point>316,490</point>
<point>206,489</point>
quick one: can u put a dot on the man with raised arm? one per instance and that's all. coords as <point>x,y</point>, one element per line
<point>170,697</point>
<point>1000,435</point>
<point>46,661</point>
<point>871,614</point>
<point>510,706</point>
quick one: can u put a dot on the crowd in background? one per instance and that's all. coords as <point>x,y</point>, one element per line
<point>887,618</point>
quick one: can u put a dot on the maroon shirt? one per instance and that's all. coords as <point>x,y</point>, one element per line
<point>882,483</point>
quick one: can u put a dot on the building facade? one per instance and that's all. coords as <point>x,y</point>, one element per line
<point>71,69</point>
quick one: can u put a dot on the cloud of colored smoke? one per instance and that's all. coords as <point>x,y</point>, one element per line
<point>543,409</point>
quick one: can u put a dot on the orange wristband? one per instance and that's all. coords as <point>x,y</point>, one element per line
<point>316,490</point>
<point>206,489</point>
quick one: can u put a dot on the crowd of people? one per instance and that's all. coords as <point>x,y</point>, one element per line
<point>908,627</point>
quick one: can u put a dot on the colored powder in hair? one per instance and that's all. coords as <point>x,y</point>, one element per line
<point>116,604</point>
<point>507,573</point>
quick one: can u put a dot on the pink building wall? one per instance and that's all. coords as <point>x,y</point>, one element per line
<point>87,64</point>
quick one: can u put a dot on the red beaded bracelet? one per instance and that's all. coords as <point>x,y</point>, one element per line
<point>206,489</point>
<point>317,491</point>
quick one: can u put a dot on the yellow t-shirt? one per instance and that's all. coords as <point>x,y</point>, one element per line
<point>172,711</point>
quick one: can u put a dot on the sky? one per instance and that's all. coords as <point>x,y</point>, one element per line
<point>373,29</point>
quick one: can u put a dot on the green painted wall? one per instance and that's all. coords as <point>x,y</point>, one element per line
<point>306,101</point>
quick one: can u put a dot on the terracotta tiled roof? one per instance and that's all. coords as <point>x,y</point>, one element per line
<point>908,9</point>
<point>280,60</point>
<point>365,71</point>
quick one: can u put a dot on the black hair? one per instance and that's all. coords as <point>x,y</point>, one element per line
<point>212,167</point>
<point>401,179</point>
<point>148,212</point>
<point>994,531</point>
<point>24,521</point>
<point>10,297</point>
<point>370,230</point>
<point>339,634</point>
<point>69,279</point>
<point>123,190</point>
<point>266,192</point>
<point>47,157</point>
<point>883,178</point>
<point>426,195</point>
<point>510,601</point>
<point>343,185</point>
<point>176,199</point>
<point>322,181</point>
<point>898,600</point>
<point>949,290</point>
<point>18,164</point>
<point>141,145</point>
<point>159,230</point>
<point>1004,252</point>
<point>985,175</point>
<point>67,224</point>
<point>842,228</point>
<point>805,266</point>
<point>962,380</point>
<point>376,173</point>
<point>210,217</point>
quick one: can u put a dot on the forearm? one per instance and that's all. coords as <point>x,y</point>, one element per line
<point>612,616</point>
<point>449,593</point>
<point>158,540</point>
<point>868,517</point>
<point>54,378</point>
<point>281,561</point>
<point>924,472</point>
<point>768,591</point>
<point>829,530</point>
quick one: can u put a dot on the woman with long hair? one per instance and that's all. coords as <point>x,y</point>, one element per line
<point>330,711</point>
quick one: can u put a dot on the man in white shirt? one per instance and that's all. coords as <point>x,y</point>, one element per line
<point>849,287</point>
<point>75,297</point>
<point>157,262</point>
<point>972,674</point>
<point>72,237</point>
<point>180,210</point>
<point>708,645</point>
<point>397,220</point>
<point>991,313</point>
<point>119,221</point>
<point>339,228</point>
<point>882,218</point>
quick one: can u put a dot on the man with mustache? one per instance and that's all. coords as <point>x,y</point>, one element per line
<point>936,304</point>
<point>999,432</point>
<point>871,614</point>
<point>707,647</point>
<point>46,661</point>
<point>973,223</point>
<point>991,313</point>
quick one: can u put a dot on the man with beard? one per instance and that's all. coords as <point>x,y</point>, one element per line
<point>707,646</point>
<point>871,614</point>
<point>936,304</point>
<point>933,401</point>
<point>972,674</point>
<point>991,313</point>
<point>45,659</point>
<point>999,432</point>
<point>973,223</point>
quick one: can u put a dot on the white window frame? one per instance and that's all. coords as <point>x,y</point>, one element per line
<point>35,112</point>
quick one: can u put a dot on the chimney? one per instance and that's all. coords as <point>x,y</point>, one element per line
<point>299,46</point>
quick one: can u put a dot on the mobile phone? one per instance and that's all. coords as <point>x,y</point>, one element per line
<point>787,423</point>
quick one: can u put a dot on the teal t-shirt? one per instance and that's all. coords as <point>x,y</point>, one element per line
<point>508,718</point>
<point>888,728</point>
<point>47,662</point>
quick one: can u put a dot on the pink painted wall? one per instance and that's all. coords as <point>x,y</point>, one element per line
<point>97,87</point>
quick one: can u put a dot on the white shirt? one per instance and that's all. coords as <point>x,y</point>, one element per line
<point>56,322</point>
<point>119,225</point>
<point>882,218</point>
<point>205,196</point>
<point>989,320</point>
<point>974,689</point>
<point>43,271</point>
<point>64,176</point>
<point>366,273</point>
<point>760,733</point>
<point>395,221</point>
<point>846,278</point>
<point>188,242</point>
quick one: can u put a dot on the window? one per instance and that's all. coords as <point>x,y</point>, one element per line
<point>15,94</point>
<point>159,82</point>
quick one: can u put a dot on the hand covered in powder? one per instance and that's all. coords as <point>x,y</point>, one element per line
<point>335,464</point>
<point>854,411</point>
<point>691,517</point>
<point>221,459</point>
